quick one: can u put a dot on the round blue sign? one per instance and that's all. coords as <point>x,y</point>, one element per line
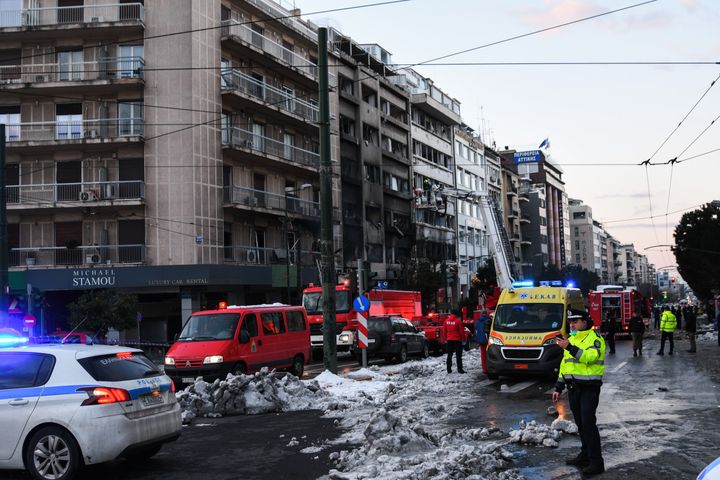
<point>361,304</point>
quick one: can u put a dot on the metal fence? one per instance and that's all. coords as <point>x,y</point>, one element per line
<point>103,69</point>
<point>85,192</point>
<point>248,255</point>
<point>260,198</point>
<point>80,255</point>
<point>75,129</point>
<point>114,12</point>
<point>245,139</point>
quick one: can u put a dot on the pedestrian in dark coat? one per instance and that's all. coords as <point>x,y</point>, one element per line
<point>637,328</point>
<point>656,314</point>
<point>481,336</point>
<point>691,327</point>
<point>611,329</point>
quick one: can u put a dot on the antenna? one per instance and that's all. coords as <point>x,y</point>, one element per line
<point>73,330</point>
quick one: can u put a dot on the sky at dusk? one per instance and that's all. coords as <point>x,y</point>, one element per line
<point>594,116</point>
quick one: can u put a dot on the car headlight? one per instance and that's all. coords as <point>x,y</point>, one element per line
<point>496,341</point>
<point>169,361</point>
<point>345,338</point>
<point>213,359</point>
<point>549,341</point>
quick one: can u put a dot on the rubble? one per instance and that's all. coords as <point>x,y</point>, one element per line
<point>541,434</point>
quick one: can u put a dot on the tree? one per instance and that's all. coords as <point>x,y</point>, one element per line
<point>696,249</point>
<point>584,279</point>
<point>104,309</point>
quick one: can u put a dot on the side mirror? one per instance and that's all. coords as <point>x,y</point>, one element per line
<point>244,336</point>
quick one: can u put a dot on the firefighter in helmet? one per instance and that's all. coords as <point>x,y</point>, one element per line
<point>581,371</point>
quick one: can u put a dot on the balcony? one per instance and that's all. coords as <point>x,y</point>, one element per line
<point>81,255</point>
<point>61,19</point>
<point>238,31</point>
<point>525,218</point>
<point>75,194</point>
<point>252,199</point>
<point>271,97</point>
<point>74,132</point>
<point>250,255</point>
<point>512,214</point>
<point>263,146</point>
<point>512,191</point>
<point>108,71</point>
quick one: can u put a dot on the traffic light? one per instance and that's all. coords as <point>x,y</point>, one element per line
<point>664,295</point>
<point>672,279</point>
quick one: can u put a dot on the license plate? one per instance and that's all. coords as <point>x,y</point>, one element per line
<point>187,380</point>
<point>371,340</point>
<point>521,366</point>
<point>154,398</point>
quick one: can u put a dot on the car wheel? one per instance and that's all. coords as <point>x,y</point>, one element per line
<point>425,351</point>
<point>240,369</point>
<point>402,357</point>
<point>52,454</point>
<point>144,454</point>
<point>298,366</point>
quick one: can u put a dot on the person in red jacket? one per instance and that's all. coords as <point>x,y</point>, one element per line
<point>454,337</point>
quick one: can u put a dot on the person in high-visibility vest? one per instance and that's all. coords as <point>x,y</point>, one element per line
<point>581,371</point>
<point>668,323</point>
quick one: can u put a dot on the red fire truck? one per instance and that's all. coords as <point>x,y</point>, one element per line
<point>622,303</point>
<point>382,302</point>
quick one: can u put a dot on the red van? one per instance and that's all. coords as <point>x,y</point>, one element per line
<point>240,339</point>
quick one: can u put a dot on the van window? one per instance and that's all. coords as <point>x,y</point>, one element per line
<point>296,321</point>
<point>528,317</point>
<point>216,326</point>
<point>250,325</point>
<point>272,323</point>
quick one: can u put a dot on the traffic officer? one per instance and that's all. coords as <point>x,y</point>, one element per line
<point>581,371</point>
<point>668,323</point>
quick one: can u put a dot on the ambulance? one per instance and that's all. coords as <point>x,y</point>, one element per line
<point>527,320</point>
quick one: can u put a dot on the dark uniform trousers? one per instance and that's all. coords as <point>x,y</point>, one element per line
<point>583,404</point>
<point>454,347</point>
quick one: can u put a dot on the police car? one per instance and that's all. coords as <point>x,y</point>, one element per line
<point>64,406</point>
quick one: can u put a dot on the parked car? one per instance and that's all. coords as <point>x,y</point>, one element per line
<point>392,337</point>
<point>64,406</point>
<point>240,340</point>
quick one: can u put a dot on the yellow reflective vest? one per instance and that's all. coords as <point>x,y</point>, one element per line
<point>668,322</point>
<point>584,359</point>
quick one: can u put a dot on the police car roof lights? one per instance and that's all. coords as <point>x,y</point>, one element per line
<point>12,340</point>
<point>523,284</point>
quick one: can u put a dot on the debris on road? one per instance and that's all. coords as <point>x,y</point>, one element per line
<point>541,434</point>
<point>663,389</point>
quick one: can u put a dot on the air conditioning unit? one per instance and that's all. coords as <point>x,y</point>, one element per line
<point>88,196</point>
<point>91,134</point>
<point>94,258</point>
<point>97,19</point>
<point>252,256</point>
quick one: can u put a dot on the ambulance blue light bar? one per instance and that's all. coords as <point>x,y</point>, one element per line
<point>523,284</point>
<point>570,284</point>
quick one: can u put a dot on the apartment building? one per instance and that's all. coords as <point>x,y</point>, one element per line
<point>434,116</point>
<point>533,211</point>
<point>510,203</point>
<point>470,171</point>
<point>183,168</point>
<point>373,118</point>
<point>613,260</point>
<point>582,229</point>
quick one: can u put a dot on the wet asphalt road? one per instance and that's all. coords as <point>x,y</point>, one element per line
<point>646,433</point>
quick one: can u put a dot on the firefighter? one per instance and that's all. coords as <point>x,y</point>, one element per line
<point>668,322</point>
<point>454,338</point>
<point>581,371</point>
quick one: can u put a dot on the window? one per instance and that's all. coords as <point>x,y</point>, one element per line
<point>119,368</point>
<point>577,231</point>
<point>347,86</point>
<point>69,121</point>
<point>296,321</point>
<point>257,35</point>
<point>347,126</point>
<point>577,244</point>
<point>10,13</point>
<point>249,325</point>
<point>226,127</point>
<point>578,215</point>
<point>370,135</point>
<point>130,61</point>
<point>130,118</point>
<point>272,323</point>
<point>10,69</point>
<point>369,96</point>
<point>373,174</point>
<point>23,370</point>
<point>10,116</point>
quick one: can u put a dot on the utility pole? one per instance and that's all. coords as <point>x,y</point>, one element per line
<point>4,287</point>
<point>326,226</point>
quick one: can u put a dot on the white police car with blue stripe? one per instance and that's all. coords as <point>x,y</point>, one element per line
<point>65,406</point>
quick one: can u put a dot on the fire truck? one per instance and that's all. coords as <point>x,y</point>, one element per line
<point>382,302</point>
<point>621,303</point>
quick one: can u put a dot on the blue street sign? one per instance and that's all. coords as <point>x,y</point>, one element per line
<point>383,284</point>
<point>361,304</point>
<point>531,156</point>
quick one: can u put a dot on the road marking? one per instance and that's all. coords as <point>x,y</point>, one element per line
<point>518,386</point>
<point>486,382</point>
<point>614,370</point>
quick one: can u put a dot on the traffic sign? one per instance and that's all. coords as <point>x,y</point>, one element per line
<point>361,304</point>
<point>29,320</point>
<point>531,156</point>
<point>363,332</point>
<point>383,284</point>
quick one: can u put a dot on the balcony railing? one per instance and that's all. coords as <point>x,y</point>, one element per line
<point>115,12</point>
<point>245,139</point>
<point>248,255</point>
<point>247,34</point>
<point>236,80</point>
<point>85,192</point>
<point>74,130</point>
<point>105,69</point>
<point>81,255</point>
<point>238,195</point>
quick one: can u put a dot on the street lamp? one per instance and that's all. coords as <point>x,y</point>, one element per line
<point>286,225</point>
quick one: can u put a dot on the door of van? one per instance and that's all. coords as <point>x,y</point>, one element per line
<point>275,336</point>
<point>298,339</point>
<point>252,352</point>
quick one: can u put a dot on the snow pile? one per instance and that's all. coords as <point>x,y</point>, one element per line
<point>707,337</point>
<point>262,392</point>
<point>541,434</point>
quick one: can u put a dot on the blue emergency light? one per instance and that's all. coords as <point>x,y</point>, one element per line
<point>523,283</point>
<point>12,340</point>
<point>570,284</point>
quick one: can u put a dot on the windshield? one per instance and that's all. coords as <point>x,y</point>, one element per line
<point>217,326</point>
<point>313,302</point>
<point>528,317</point>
